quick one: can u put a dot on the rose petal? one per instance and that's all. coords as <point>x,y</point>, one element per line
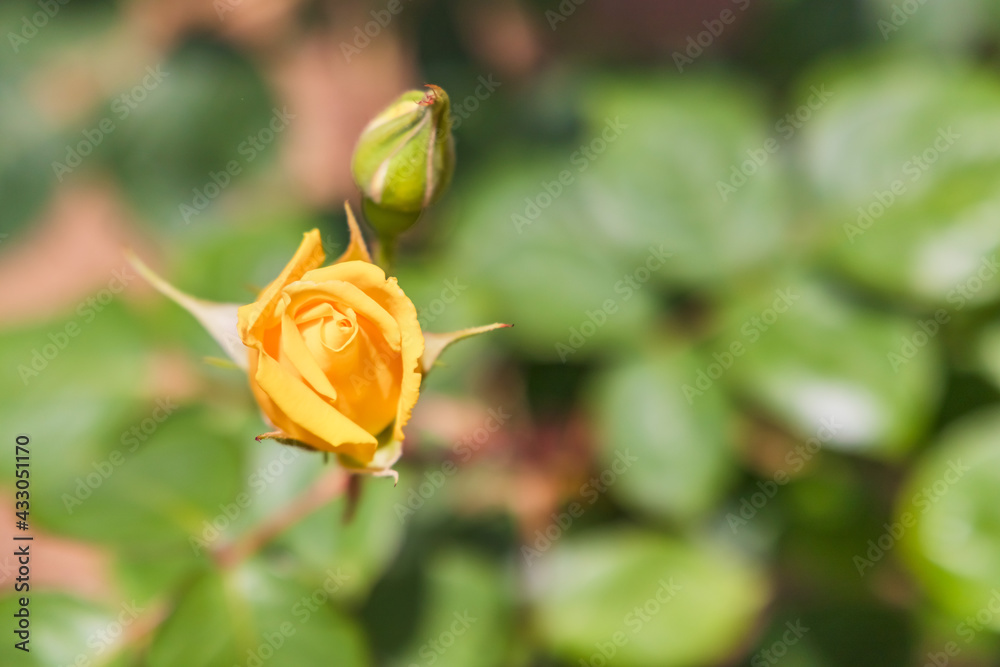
<point>368,379</point>
<point>364,303</point>
<point>309,256</point>
<point>296,352</point>
<point>387,293</point>
<point>309,418</point>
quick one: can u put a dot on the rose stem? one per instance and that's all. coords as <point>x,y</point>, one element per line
<point>387,253</point>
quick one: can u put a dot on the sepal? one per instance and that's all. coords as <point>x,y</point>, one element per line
<point>435,343</point>
<point>219,319</point>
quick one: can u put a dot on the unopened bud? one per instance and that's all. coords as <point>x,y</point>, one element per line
<point>404,159</point>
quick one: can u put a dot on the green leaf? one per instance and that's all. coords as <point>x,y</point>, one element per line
<point>906,169</point>
<point>201,121</point>
<point>26,176</point>
<point>232,618</point>
<point>958,26</point>
<point>513,263</point>
<point>644,599</point>
<point>856,379</point>
<point>885,113</point>
<point>678,174</point>
<point>163,492</point>
<point>683,462</point>
<point>66,630</point>
<point>466,620</point>
<point>88,365</point>
<point>987,352</point>
<point>361,548</point>
<point>881,636</point>
<point>939,249</point>
<point>950,519</point>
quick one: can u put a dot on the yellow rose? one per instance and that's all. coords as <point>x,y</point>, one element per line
<point>335,355</point>
<point>334,352</point>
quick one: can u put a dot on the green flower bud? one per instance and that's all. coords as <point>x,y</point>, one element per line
<point>404,159</point>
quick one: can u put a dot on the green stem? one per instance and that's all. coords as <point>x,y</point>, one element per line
<point>386,256</point>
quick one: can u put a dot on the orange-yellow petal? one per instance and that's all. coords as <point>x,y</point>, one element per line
<point>295,352</point>
<point>309,256</point>
<point>387,293</point>
<point>365,304</point>
<point>307,411</point>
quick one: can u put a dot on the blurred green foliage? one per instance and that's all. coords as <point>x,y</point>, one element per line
<point>772,280</point>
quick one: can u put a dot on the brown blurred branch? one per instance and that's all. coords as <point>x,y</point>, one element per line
<point>325,489</point>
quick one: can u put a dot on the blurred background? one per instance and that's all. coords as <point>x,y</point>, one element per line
<point>748,412</point>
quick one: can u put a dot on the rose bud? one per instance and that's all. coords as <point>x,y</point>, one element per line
<point>404,160</point>
<point>335,355</point>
